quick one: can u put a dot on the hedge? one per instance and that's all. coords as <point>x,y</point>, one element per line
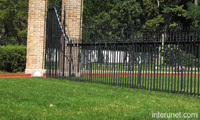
<point>13,58</point>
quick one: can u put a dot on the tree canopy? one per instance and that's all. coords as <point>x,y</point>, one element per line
<point>13,21</point>
<point>115,14</point>
<point>149,14</point>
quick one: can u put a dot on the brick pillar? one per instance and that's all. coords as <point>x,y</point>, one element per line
<point>73,20</point>
<point>36,37</point>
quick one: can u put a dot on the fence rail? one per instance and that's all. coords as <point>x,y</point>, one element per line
<point>161,61</point>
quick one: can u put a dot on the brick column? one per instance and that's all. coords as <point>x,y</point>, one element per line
<point>36,37</point>
<point>73,20</point>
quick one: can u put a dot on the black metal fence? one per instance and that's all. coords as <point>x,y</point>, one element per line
<point>167,61</point>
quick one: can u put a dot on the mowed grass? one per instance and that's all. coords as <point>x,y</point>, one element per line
<point>44,98</point>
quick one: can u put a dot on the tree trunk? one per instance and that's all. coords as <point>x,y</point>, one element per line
<point>196,2</point>
<point>158,2</point>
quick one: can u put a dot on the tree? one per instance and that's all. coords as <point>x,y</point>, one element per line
<point>115,20</point>
<point>13,21</point>
<point>113,14</point>
<point>193,14</point>
<point>163,14</point>
<point>96,11</point>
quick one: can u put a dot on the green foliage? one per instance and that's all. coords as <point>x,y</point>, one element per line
<point>189,59</point>
<point>112,14</point>
<point>115,19</point>
<point>173,15</point>
<point>13,58</point>
<point>148,14</point>
<point>13,21</point>
<point>125,14</point>
<point>178,10</point>
<point>150,9</point>
<point>174,51</point>
<point>57,4</point>
<point>154,23</point>
<point>193,13</point>
<point>121,16</point>
<point>96,12</point>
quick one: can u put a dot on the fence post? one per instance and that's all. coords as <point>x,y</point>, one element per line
<point>70,58</point>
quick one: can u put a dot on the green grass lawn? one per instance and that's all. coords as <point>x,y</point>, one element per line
<point>44,98</point>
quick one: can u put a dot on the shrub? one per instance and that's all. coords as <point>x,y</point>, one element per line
<point>13,58</point>
<point>172,55</point>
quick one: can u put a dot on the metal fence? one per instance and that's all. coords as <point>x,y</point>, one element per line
<point>167,61</point>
